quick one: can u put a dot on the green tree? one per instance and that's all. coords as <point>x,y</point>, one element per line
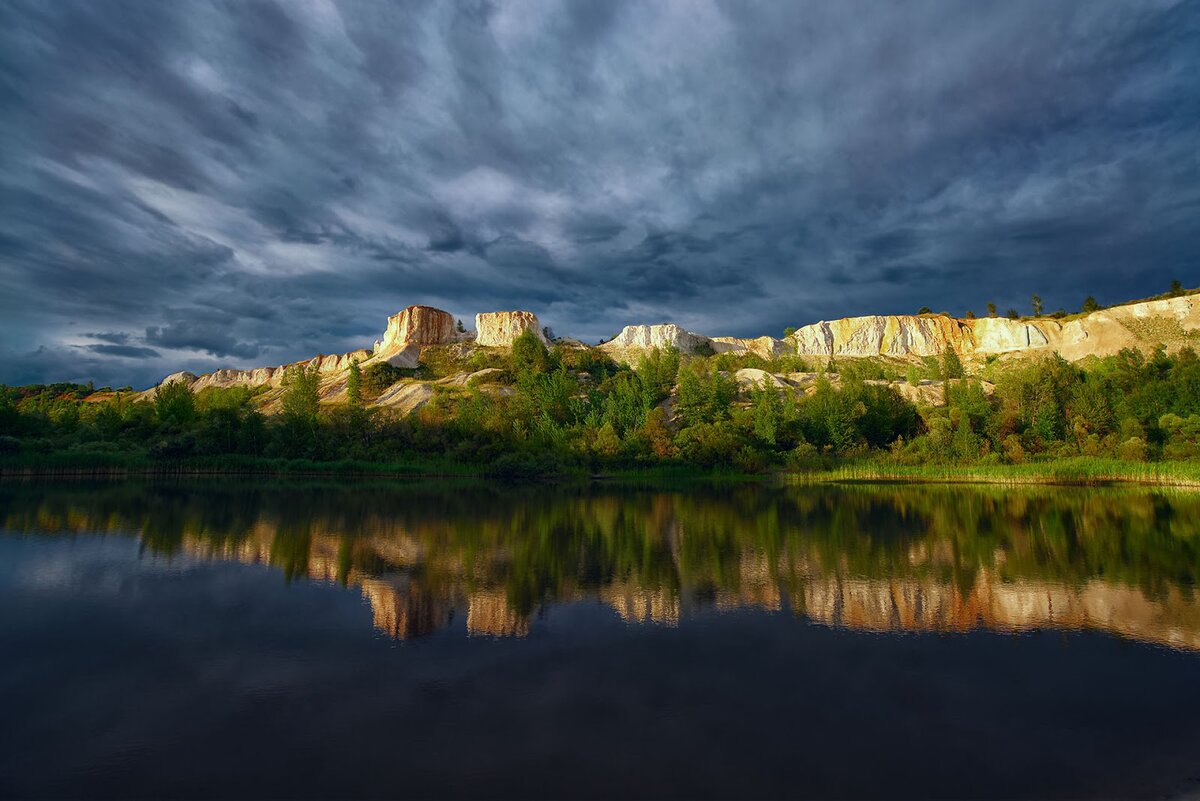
<point>1176,288</point>
<point>1036,303</point>
<point>354,385</point>
<point>952,366</point>
<point>657,371</point>
<point>1013,314</point>
<point>529,355</point>
<point>1090,305</point>
<point>991,309</point>
<point>301,394</point>
<point>705,395</point>
<point>460,327</point>
<point>924,310</point>
<point>789,331</point>
<point>175,404</point>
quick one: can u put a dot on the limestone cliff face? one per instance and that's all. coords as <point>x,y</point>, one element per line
<point>500,329</point>
<point>1173,322</point>
<point>418,325</point>
<point>646,337</point>
<point>765,347</point>
<point>879,336</point>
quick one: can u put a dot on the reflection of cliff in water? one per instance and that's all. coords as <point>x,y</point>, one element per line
<point>883,559</point>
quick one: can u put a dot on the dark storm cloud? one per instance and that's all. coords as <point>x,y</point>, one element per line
<point>244,183</point>
<point>124,351</point>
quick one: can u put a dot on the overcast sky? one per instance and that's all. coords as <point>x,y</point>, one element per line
<point>194,184</point>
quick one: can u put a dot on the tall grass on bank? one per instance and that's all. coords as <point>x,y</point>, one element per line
<point>1078,470</point>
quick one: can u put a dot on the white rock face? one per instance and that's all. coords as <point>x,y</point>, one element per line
<point>405,397</point>
<point>749,377</point>
<point>500,329</point>
<point>1001,335</point>
<point>667,335</point>
<point>903,335</point>
<point>406,357</point>
<point>764,347</point>
<point>419,325</point>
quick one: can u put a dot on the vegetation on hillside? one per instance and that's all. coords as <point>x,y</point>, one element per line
<point>576,409</point>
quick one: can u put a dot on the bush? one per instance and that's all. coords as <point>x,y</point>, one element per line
<point>1132,450</point>
<point>381,375</point>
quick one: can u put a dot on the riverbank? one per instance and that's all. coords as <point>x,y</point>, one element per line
<point>1082,471</point>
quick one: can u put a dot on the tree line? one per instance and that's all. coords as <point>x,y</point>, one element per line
<point>578,409</point>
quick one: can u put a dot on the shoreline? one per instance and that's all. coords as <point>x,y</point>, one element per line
<point>1079,472</point>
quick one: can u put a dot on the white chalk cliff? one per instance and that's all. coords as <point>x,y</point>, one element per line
<point>1174,322</point>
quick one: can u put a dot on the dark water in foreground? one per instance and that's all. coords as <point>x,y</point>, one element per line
<point>236,639</point>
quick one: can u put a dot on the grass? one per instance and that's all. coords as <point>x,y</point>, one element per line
<point>1079,470</point>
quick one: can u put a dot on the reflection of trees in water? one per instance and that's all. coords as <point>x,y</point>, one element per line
<point>914,557</point>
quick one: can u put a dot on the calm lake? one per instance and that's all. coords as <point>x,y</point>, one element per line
<point>247,638</point>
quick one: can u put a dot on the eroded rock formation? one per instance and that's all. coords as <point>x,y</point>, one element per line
<point>1174,322</point>
<point>418,325</point>
<point>666,335</point>
<point>499,329</point>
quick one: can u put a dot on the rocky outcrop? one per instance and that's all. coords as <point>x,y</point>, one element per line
<point>1173,322</point>
<point>903,335</point>
<point>500,329</point>
<point>647,337</point>
<point>763,347</point>
<point>749,378</point>
<point>417,325</point>
<point>405,397</point>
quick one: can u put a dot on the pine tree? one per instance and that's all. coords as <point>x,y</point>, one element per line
<point>354,385</point>
<point>1036,303</point>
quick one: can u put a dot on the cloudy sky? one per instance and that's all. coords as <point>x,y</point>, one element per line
<point>192,184</point>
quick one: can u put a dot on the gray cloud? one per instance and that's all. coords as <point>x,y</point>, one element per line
<point>256,182</point>
<point>124,351</point>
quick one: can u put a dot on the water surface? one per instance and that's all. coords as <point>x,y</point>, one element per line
<point>239,638</point>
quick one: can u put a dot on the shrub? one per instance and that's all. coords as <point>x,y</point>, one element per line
<point>1132,450</point>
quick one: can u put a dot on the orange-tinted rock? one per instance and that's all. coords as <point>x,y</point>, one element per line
<point>419,325</point>
<point>501,328</point>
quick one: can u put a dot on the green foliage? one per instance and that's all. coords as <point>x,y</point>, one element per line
<point>991,308</point>
<point>381,375</point>
<point>952,366</point>
<point>1035,303</point>
<point>354,383</point>
<point>657,370</point>
<point>175,404</point>
<point>301,396</point>
<point>1090,305</point>
<point>705,394</point>
<point>529,355</point>
<point>574,409</point>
